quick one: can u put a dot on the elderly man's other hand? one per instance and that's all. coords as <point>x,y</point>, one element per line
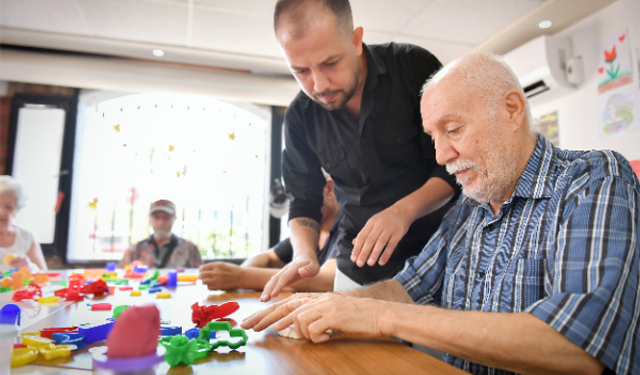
<point>19,261</point>
<point>384,229</point>
<point>312,318</point>
<point>301,266</point>
<point>221,275</point>
<point>264,318</point>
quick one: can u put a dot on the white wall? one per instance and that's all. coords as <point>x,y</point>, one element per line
<point>578,111</point>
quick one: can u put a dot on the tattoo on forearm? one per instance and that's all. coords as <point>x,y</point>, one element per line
<point>309,223</point>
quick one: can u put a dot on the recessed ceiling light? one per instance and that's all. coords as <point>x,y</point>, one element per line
<point>545,24</point>
<point>158,53</point>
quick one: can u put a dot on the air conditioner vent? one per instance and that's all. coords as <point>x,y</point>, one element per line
<point>535,89</point>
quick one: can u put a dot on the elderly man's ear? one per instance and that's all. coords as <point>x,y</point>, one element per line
<point>515,106</point>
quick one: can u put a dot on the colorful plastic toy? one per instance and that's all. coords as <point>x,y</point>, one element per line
<point>34,339</point>
<point>140,268</point>
<point>180,269</point>
<point>182,278</point>
<point>18,277</point>
<point>111,266</point>
<point>51,299</point>
<point>23,356</point>
<point>97,288</point>
<point>182,351</point>
<point>52,351</point>
<point>101,306</point>
<point>10,314</point>
<point>118,310</point>
<point>18,346</point>
<point>143,287</point>
<point>157,285</point>
<point>201,315</point>
<point>69,339</point>
<point>224,326</point>
<point>163,295</point>
<point>194,333</point>
<point>8,258</point>
<point>125,288</point>
<point>74,291</point>
<point>48,332</point>
<point>172,279</point>
<point>170,330</point>
<point>155,290</point>
<point>93,333</point>
<point>40,278</point>
<point>136,293</point>
<point>128,365</point>
<point>7,281</point>
<point>5,289</point>
<point>29,293</point>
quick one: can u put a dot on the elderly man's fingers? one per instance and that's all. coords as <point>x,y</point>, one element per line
<point>256,317</point>
<point>277,314</point>
<point>379,247</point>
<point>318,330</point>
<point>391,246</point>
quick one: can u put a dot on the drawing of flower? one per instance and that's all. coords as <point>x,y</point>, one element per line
<point>609,57</point>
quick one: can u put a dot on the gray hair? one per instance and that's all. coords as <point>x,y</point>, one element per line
<point>10,185</point>
<point>485,75</point>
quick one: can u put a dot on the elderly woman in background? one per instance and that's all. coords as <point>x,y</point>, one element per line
<point>15,241</point>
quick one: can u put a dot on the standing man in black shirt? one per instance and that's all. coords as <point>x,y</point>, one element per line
<point>358,117</point>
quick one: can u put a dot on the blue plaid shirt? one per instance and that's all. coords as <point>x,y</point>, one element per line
<point>564,248</point>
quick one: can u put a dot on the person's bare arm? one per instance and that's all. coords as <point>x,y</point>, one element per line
<point>322,282</point>
<point>384,230</point>
<point>305,234</point>
<point>268,259</point>
<point>36,256</point>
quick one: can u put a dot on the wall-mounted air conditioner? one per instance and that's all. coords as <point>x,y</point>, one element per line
<point>546,68</point>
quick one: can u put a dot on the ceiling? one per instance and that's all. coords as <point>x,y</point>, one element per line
<point>199,31</point>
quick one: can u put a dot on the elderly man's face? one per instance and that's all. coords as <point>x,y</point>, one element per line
<point>323,61</point>
<point>162,222</point>
<point>469,142</point>
<point>8,208</point>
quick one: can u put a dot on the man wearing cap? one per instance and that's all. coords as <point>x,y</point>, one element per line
<point>163,249</point>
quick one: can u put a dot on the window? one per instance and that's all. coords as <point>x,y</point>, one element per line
<point>206,156</point>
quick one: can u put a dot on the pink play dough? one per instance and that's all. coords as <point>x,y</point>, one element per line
<point>135,332</point>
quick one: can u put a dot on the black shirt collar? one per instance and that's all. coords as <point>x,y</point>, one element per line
<point>375,67</point>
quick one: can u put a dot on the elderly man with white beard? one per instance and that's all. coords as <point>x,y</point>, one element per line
<point>535,270</point>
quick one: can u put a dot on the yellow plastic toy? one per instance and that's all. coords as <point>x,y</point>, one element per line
<point>136,293</point>
<point>163,295</point>
<point>8,258</point>
<point>51,299</point>
<point>34,339</point>
<point>52,351</point>
<point>187,278</point>
<point>23,356</point>
<point>7,281</point>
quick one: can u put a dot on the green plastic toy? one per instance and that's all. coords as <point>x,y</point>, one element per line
<point>223,326</point>
<point>4,289</point>
<point>143,287</point>
<point>155,275</point>
<point>182,351</point>
<point>118,310</point>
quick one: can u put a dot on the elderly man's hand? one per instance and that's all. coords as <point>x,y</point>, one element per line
<point>301,266</point>
<point>264,318</point>
<point>221,275</point>
<point>312,318</point>
<point>384,229</point>
<point>19,261</point>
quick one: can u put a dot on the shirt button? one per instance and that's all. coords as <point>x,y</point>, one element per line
<point>481,275</point>
<point>490,227</point>
<point>328,165</point>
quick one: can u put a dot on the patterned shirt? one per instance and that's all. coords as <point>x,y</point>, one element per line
<point>565,248</point>
<point>185,254</point>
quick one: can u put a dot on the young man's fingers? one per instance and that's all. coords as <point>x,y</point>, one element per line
<point>391,246</point>
<point>377,250</point>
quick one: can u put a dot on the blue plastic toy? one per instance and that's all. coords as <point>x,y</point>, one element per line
<point>170,330</point>
<point>155,290</point>
<point>63,338</point>
<point>172,279</point>
<point>146,282</point>
<point>111,266</point>
<point>10,314</point>
<point>194,333</point>
<point>140,269</point>
<point>157,285</point>
<point>93,333</point>
<point>88,282</point>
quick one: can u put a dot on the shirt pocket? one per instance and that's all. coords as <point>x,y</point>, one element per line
<point>400,147</point>
<point>334,162</point>
<point>527,280</point>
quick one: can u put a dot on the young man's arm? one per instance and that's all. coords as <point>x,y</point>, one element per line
<point>264,260</point>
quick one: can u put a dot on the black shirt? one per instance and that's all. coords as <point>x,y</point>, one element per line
<point>374,161</point>
<point>284,250</point>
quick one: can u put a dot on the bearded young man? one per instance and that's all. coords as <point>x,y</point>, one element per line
<point>534,271</point>
<point>358,117</point>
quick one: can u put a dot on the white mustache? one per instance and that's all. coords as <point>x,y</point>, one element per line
<point>460,165</point>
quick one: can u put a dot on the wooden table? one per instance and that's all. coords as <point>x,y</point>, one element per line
<point>266,352</point>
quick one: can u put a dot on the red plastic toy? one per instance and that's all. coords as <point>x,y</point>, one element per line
<point>201,315</point>
<point>125,288</point>
<point>74,291</point>
<point>101,306</point>
<point>48,332</point>
<point>97,288</point>
<point>29,293</point>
